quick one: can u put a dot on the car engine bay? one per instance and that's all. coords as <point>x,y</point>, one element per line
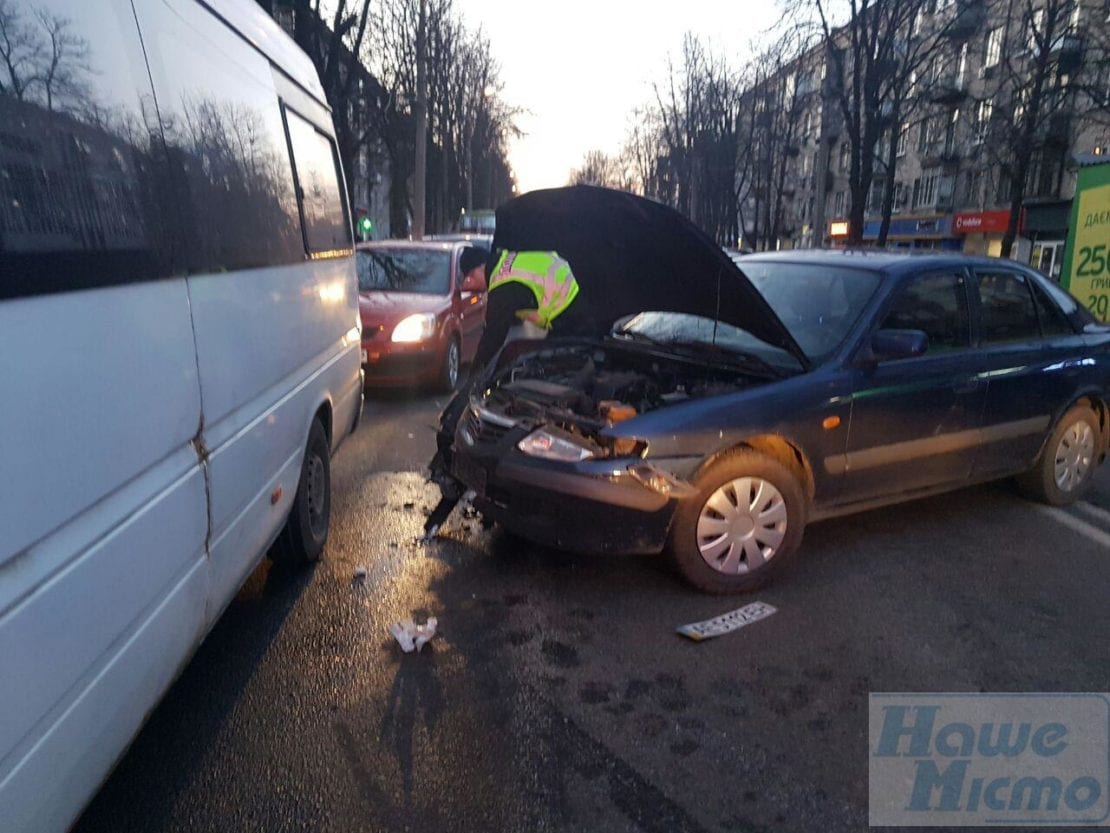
<point>584,389</point>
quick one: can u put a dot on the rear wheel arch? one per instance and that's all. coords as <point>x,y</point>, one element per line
<point>1102,411</point>
<point>324,415</point>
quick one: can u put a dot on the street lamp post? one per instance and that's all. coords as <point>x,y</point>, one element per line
<point>421,112</point>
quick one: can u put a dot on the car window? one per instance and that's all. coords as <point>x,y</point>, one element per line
<point>936,304</point>
<point>1052,319</point>
<point>404,270</point>
<point>326,230</point>
<point>1007,309</point>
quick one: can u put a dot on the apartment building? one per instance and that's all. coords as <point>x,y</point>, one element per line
<point>961,116</point>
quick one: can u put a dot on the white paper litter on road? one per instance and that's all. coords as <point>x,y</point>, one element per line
<point>727,622</point>
<point>411,636</point>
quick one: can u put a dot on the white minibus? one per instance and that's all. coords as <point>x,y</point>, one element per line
<point>179,358</point>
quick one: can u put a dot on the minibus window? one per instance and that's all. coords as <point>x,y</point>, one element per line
<point>231,186</point>
<point>326,230</point>
<point>81,169</point>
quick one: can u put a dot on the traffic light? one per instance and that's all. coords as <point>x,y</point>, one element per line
<point>364,226</point>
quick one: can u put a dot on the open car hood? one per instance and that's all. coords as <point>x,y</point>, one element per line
<point>632,255</point>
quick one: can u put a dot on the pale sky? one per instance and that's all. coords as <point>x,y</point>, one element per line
<point>581,66</point>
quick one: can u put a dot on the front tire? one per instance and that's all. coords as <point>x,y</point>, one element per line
<point>302,539</point>
<point>1067,463</point>
<point>742,528</point>
<point>449,371</point>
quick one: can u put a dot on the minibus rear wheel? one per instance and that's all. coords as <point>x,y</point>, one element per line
<point>302,540</point>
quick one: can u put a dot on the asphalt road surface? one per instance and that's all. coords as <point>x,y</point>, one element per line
<point>557,696</point>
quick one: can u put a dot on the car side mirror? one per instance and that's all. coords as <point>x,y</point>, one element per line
<point>888,345</point>
<point>473,282</point>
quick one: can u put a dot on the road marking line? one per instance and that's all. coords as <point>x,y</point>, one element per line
<point>1092,511</point>
<point>1077,525</point>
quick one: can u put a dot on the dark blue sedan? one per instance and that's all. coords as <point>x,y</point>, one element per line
<point>716,419</point>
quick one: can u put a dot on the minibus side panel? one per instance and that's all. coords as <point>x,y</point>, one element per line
<point>276,338</point>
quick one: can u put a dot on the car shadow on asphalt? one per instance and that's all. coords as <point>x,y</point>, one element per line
<point>182,730</point>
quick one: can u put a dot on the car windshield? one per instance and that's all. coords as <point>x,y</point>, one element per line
<point>818,305</point>
<point>683,329</point>
<point>404,270</point>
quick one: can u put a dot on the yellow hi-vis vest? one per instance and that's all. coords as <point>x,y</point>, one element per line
<point>546,274</point>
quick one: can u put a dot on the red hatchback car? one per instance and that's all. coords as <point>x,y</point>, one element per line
<point>421,322</point>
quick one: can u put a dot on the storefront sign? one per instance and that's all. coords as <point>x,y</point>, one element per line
<point>838,228</point>
<point>1086,272</point>
<point>911,227</point>
<point>981,222</point>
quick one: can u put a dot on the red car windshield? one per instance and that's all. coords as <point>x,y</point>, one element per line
<point>404,270</point>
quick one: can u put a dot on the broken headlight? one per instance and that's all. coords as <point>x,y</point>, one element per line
<point>548,446</point>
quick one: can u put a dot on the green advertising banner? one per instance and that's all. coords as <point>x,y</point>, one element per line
<point>1086,272</point>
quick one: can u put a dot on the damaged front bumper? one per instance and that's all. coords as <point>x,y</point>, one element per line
<point>616,505</point>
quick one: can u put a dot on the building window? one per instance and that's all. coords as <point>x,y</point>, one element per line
<point>1020,98</point>
<point>950,133</point>
<point>946,185</point>
<point>973,187</point>
<point>982,121</point>
<point>903,138</point>
<point>901,196</point>
<point>925,191</point>
<point>930,128</point>
<point>994,48</point>
<point>875,196</point>
<point>845,158</point>
<point>1036,30</point>
<point>838,204</point>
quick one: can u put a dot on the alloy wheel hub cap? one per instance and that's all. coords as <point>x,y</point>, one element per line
<point>1074,456</point>
<point>741,526</point>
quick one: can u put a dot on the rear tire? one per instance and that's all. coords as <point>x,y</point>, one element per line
<point>302,539</point>
<point>449,371</point>
<point>742,528</point>
<point>1067,463</point>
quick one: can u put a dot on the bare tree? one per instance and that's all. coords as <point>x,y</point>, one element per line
<point>697,112</point>
<point>871,53</point>
<point>777,88</point>
<point>471,124</point>
<point>598,168</point>
<point>1042,86</point>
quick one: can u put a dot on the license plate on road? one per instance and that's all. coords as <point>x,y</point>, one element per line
<point>727,622</point>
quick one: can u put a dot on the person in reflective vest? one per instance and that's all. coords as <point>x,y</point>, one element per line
<point>527,292</point>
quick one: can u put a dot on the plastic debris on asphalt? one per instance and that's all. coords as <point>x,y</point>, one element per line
<point>411,636</point>
<point>727,622</point>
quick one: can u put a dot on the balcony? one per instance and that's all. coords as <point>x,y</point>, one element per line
<point>1067,49</point>
<point>940,155</point>
<point>1058,130</point>
<point>949,88</point>
<point>967,20</point>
